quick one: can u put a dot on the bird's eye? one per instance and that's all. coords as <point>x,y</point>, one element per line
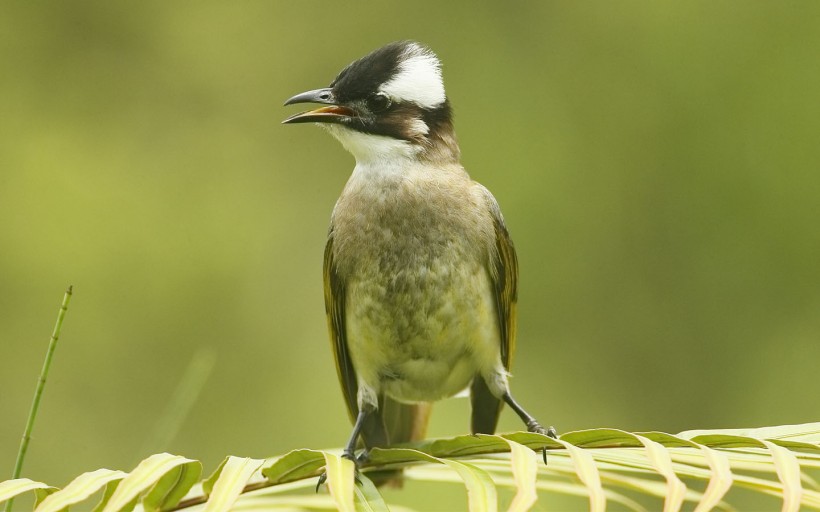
<point>378,102</point>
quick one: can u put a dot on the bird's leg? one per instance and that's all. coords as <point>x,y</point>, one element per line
<point>350,450</point>
<point>532,423</point>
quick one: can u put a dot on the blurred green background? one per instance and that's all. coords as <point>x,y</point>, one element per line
<point>657,164</point>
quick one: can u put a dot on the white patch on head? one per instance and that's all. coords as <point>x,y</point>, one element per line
<point>418,78</point>
<point>368,148</point>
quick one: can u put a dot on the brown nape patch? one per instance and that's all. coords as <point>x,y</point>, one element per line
<point>401,122</point>
<point>442,144</point>
<point>441,140</point>
<point>430,128</point>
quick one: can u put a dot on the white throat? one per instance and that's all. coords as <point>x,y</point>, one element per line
<point>370,149</point>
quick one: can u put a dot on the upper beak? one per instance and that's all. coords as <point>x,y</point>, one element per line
<point>331,114</point>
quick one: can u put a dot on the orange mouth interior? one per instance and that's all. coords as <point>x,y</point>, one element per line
<point>333,110</point>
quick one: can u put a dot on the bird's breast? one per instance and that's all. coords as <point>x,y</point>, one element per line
<point>420,311</point>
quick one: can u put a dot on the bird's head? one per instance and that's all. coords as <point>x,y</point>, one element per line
<point>388,104</point>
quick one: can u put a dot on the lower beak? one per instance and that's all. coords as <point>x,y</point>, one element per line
<point>333,113</point>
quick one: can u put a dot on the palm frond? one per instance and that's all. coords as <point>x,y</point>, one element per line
<point>702,469</point>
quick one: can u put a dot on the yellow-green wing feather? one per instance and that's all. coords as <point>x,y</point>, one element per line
<point>506,289</point>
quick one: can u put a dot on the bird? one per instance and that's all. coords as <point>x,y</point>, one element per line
<point>420,272</point>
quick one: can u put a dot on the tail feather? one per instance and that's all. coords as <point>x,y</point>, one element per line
<point>395,423</point>
<point>405,422</point>
<point>486,407</point>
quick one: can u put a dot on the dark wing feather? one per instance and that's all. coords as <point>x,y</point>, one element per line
<point>335,310</point>
<point>504,274</point>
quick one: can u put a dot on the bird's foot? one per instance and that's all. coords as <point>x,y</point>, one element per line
<point>357,461</point>
<point>535,427</point>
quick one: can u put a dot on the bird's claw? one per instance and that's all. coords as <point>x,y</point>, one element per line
<point>535,427</point>
<point>321,482</point>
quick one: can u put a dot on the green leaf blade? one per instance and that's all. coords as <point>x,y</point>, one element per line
<point>147,475</point>
<point>231,477</point>
<point>368,497</point>
<point>481,492</point>
<point>79,489</point>
<point>524,465</point>
<point>294,465</point>
<point>12,488</point>
<point>340,481</point>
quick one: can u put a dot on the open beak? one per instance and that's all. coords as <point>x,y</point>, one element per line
<point>333,113</point>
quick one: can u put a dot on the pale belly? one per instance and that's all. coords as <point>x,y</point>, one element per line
<point>422,333</point>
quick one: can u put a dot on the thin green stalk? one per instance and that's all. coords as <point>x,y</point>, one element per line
<point>38,393</point>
